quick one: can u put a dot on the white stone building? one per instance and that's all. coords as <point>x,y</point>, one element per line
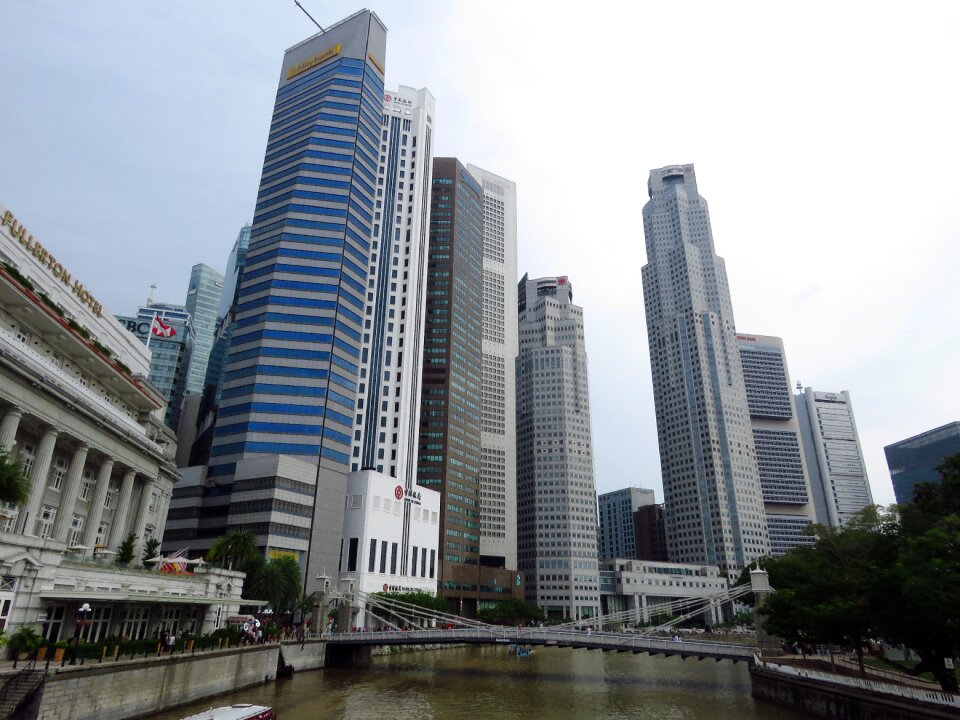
<point>831,444</point>
<point>498,428</point>
<point>556,495</point>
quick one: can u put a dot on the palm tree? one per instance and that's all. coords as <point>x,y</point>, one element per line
<point>237,546</point>
<point>306,604</point>
<point>14,486</point>
<point>277,582</point>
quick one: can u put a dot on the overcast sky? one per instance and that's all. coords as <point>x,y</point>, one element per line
<point>824,134</point>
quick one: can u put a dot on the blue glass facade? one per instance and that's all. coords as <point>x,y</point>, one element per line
<point>915,460</point>
<point>295,348</point>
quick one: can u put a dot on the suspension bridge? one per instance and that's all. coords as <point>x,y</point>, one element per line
<point>400,623</point>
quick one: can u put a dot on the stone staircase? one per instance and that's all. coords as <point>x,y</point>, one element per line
<point>18,689</point>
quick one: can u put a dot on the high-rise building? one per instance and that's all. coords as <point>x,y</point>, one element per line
<point>385,437</point>
<point>228,299</point>
<point>203,302</point>
<point>231,274</point>
<point>915,460</point>
<point>449,441</point>
<point>651,533</point>
<point>831,446</point>
<point>616,536</point>
<point>282,443</point>
<point>556,495</point>
<point>711,485</point>
<point>498,422</point>
<point>171,352</point>
<point>787,498</point>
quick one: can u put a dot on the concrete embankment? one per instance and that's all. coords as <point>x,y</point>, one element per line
<point>141,688</point>
<point>835,697</point>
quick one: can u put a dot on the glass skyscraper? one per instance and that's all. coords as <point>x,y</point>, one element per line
<point>281,448</point>
<point>203,301</point>
<point>713,501</point>
<point>915,460</point>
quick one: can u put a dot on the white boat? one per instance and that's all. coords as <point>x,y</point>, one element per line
<point>240,711</point>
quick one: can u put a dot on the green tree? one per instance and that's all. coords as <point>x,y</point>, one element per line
<point>276,581</point>
<point>826,593</point>
<point>126,550</point>
<point>234,548</point>
<point>151,549</point>
<point>511,612</point>
<point>14,486</point>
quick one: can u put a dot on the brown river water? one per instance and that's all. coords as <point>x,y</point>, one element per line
<point>488,683</point>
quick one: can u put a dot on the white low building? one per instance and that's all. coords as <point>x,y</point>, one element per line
<point>654,589</point>
<point>390,536</point>
<point>79,414</point>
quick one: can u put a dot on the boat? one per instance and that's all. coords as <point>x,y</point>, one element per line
<point>524,650</point>
<point>240,711</point>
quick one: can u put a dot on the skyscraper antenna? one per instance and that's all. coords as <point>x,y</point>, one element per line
<point>297,2</point>
<point>153,286</point>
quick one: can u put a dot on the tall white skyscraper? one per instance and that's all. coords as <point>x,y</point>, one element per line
<point>556,495</point>
<point>838,475</point>
<point>713,507</point>
<point>498,429</point>
<point>787,498</point>
<point>388,405</point>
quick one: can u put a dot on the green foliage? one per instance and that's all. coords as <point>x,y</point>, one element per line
<point>891,574</point>
<point>25,639</point>
<point>511,612</point>
<point>14,485</point>
<point>235,548</point>
<point>18,276</point>
<point>151,549</point>
<point>126,549</point>
<point>50,303</point>
<point>277,581</point>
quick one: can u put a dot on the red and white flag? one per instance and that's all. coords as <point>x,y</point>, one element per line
<point>159,328</point>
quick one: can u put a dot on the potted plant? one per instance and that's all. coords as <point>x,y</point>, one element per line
<point>187,643</point>
<point>24,641</point>
<point>58,650</point>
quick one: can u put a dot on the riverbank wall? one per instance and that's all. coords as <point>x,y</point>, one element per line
<point>834,697</point>
<point>141,688</point>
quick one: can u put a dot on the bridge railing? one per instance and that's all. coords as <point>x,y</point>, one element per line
<point>503,634</point>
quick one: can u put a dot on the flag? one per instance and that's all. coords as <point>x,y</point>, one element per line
<point>159,328</point>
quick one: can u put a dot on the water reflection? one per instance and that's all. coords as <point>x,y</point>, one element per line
<point>486,682</point>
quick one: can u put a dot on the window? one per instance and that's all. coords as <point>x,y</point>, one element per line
<point>103,533</point>
<point>45,524</point>
<point>86,488</point>
<point>57,472</point>
<point>383,557</point>
<point>76,527</point>
<point>372,561</point>
<point>135,622</point>
<point>413,567</point>
<point>53,621</point>
<point>393,559</point>
<point>111,500</point>
<point>153,503</point>
<point>352,555</point>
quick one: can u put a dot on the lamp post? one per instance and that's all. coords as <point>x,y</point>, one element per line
<point>81,619</point>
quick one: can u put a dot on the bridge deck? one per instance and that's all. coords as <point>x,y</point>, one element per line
<point>547,637</point>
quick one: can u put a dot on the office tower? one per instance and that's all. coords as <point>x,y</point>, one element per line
<point>231,274</point>
<point>171,352</point>
<point>711,486</point>
<point>498,423</point>
<point>385,436</point>
<point>281,447</point>
<point>651,533</point>
<point>831,447</point>
<point>556,496</point>
<point>787,498</point>
<point>616,537</point>
<point>203,302</point>
<point>916,459</point>
<point>449,442</point>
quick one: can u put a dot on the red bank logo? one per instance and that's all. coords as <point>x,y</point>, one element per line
<point>398,492</point>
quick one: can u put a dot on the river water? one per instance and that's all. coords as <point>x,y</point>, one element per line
<point>486,682</point>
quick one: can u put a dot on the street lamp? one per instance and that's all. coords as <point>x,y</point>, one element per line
<point>81,618</point>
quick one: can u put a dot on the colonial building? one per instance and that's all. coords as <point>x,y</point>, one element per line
<point>78,412</point>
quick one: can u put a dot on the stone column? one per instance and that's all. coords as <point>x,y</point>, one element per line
<point>96,504</point>
<point>142,516</point>
<point>119,530</point>
<point>69,492</point>
<point>8,428</point>
<point>643,605</point>
<point>161,514</point>
<point>27,521</point>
